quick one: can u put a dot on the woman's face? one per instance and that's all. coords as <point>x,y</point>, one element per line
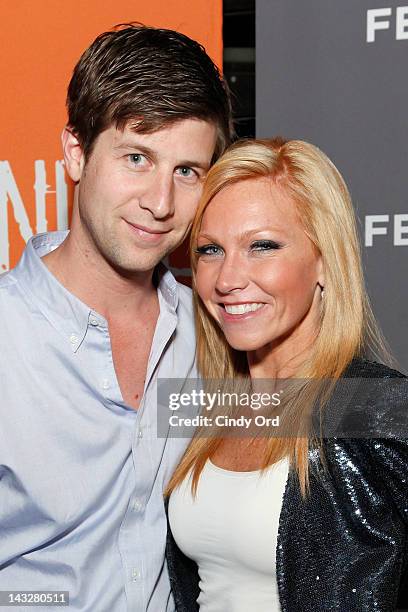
<point>257,271</point>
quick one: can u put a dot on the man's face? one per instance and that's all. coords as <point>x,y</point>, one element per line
<point>137,193</point>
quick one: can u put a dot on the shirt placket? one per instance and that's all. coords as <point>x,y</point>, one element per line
<point>133,546</point>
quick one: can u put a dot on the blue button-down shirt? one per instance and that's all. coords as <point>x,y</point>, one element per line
<point>81,473</point>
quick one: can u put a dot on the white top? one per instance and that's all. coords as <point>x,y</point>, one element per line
<point>230,530</point>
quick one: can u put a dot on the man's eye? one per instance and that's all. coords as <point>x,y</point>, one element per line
<point>208,249</point>
<point>187,172</point>
<point>137,159</point>
<point>265,245</point>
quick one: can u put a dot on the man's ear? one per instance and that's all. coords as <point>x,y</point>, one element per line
<point>73,154</point>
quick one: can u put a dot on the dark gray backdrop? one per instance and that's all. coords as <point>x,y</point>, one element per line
<point>334,72</point>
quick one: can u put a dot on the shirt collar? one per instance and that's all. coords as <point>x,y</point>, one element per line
<point>167,287</point>
<point>65,311</point>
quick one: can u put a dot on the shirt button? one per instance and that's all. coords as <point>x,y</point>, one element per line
<point>135,575</point>
<point>105,384</point>
<point>93,322</point>
<point>140,434</point>
<point>73,339</point>
<point>137,505</point>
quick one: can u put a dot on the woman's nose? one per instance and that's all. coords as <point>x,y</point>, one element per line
<point>232,275</point>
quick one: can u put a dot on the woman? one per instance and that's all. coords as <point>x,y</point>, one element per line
<point>298,523</point>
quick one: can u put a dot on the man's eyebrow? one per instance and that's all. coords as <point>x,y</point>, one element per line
<point>130,145</point>
<point>195,164</point>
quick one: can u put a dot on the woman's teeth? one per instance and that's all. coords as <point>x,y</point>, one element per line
<point>242,308</point>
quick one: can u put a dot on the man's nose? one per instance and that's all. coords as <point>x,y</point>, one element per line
<point>158,196</point>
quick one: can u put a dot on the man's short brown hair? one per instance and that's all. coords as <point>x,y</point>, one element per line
<point>150,77</point>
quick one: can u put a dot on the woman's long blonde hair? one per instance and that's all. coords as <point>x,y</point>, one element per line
<point>347,325</point>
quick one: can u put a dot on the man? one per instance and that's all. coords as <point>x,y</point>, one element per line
<point>93,320</point>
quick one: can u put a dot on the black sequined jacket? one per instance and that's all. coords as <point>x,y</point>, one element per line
<point>344,547</point>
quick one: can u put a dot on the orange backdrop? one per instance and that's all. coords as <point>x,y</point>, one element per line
<point>41,42</point>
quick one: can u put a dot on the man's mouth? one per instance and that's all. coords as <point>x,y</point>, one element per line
<point>147,234</point>
<point>147,230</point>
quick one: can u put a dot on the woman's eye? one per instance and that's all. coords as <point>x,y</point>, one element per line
<point>208,249</point>
<point>265,245</point>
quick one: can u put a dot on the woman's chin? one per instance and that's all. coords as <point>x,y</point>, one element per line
<point>244,343</point>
